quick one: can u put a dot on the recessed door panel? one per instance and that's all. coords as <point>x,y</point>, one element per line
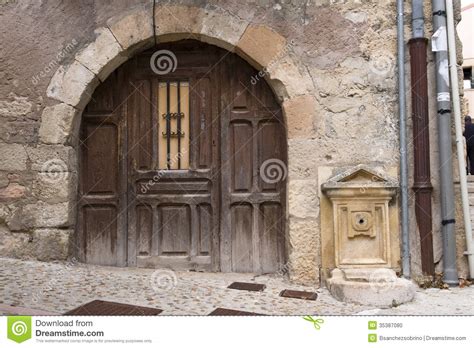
<point>242,164</point>
<point>144,229</point>
<point>174,232</point>
<point>242,231</point>
<point>100,159</point>
<point>100,235</point>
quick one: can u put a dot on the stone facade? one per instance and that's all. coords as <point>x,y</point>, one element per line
<point>332,64</point>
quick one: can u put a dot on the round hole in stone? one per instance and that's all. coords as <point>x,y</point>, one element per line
<point>361,221</point>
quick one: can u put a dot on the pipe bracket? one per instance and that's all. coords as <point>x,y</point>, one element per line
<point>439,13</point>
<point>447,222</point>
<point>444,111</point>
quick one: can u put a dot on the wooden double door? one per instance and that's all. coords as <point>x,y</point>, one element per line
<point>171,165</point>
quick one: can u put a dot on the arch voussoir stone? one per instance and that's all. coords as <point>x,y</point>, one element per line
<point>103,55</point>
<point>133,30</point>
<point>73,85</point>
<point>59,124</point>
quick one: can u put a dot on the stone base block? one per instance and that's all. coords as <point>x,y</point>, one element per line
<point>378,287</point>
<point>46,244</point>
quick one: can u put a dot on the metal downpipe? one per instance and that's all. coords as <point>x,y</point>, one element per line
<point>439,46</point>
<point>421,137</point>
<point>403,140</point>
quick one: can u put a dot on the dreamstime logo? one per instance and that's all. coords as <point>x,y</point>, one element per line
<point>163,280</point>
<point>273,170</point>
<point>163,62</point>
<point>382,279</point>
<point>382,63</point>
<point>55,170</point>
<point>19,328</point>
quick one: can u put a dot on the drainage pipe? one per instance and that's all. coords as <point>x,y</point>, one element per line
<point>421,137</point>
<point>439,46</point>
<point>403,140</point>
<point>459,137</point>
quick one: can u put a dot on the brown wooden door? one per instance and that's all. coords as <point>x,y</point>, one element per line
<point>102,225</point>
<point>183,152</point>
<point>253,210</point>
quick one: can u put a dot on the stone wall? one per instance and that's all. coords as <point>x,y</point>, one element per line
<point>332,64</point>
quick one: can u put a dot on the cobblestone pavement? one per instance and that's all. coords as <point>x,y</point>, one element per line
<point>60,287</point>
<point>455,301</point>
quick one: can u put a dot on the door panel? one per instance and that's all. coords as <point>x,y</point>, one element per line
<point>171,166</point>
<point>101,234</point>
<point>242,161</point>
<point>144,215</point>
<point>100,147</point>
<point>271,236</point>
<point>242,231</point>
<point>174,231</point>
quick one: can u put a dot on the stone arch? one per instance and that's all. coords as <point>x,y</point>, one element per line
<point>71,86</point>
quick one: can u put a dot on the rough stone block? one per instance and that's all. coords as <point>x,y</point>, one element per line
<point>42,244</point>
<point>295,81</point>
<point>133,30</point>
<point>15,106</point>
<point>15,219</point>
<point>51,244</point>
<point>304,253</point>
<point>73,85</point>
<point>54,187</point>
<point>373,287</point>
<point>304,235</point>
<point>12,192</point>
<point>103,55</point>
<point>222,29</point>
<point>58,124</point>
<point>13,157</point>
<point>300,116</point>
<point>4,180</point>
<point>304,273</point>
<point>49,215</point>
<point>253,45</point>
<point>52,158</point>
<point>16,245</point>
<point>178,19</point>
<point>303,199</point>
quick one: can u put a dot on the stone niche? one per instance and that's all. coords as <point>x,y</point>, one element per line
<point>361,213</point>
<point>360,237</point>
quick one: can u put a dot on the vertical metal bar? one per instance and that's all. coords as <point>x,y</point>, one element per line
<point>168,126</point>
<point>179,125</point>
<point>403,140</point>
<point>459,142</point>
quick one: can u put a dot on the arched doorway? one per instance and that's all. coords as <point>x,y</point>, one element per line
<point>174,165</point>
